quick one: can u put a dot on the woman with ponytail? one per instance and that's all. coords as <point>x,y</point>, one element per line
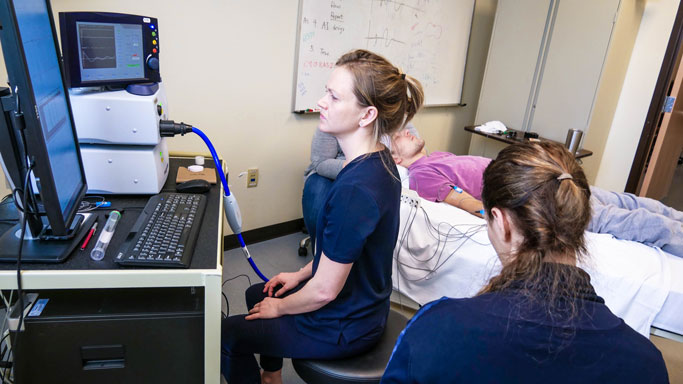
<point>539,320</point>
<point>337,305</point>
<point>327,157</point>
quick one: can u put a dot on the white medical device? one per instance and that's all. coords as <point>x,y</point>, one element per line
<point>117,128</point>
<point>121,148</point>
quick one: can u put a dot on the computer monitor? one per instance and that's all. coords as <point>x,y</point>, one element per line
<point>39,126</point>
<point>109,49</point>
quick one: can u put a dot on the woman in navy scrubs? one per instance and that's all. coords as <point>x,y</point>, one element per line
<point>539,320</point>
<point>337,305</point>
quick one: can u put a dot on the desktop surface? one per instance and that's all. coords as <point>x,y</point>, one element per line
<point>519,138</point>
<point>80,273</point>
<point>130,207</point>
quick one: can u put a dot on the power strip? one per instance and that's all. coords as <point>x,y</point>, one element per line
<point>410,197</point>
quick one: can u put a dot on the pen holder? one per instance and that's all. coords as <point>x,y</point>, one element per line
<point>105,237</point>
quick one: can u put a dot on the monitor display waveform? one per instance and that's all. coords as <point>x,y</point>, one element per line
<point>110,51</point>
<point>98,46</point>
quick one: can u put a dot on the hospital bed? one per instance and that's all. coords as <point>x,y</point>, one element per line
<point>444,251</point>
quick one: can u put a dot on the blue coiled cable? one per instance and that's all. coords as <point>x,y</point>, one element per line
<point>227,193</point>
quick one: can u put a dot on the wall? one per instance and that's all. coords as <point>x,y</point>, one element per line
<point>636,94</point>
<point>634,59</point>
<point>608,91</point>
<point>228,67</point>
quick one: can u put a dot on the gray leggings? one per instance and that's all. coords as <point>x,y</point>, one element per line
<point>629,217</point>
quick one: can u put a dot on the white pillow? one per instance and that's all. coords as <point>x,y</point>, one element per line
<point>405,177</point>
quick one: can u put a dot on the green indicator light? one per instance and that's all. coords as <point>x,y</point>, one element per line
<point>133,65</point>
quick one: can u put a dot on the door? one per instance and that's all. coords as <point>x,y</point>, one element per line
<point>667,146</point>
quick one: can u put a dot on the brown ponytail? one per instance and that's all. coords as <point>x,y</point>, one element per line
<point>415,97</point>
<point>547,195</point>
<point>378,83</point>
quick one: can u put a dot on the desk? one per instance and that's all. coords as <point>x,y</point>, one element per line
<point>519,139</point>
<point>206,270</point>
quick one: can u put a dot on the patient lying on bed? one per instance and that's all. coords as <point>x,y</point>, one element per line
<point>457,180</point>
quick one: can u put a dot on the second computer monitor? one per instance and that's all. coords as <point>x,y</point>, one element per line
<point>42,110</point>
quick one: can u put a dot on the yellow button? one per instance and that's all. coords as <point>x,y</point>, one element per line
<point>154,42</point>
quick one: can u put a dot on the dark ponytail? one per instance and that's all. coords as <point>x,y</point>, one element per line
<point>547,195</point>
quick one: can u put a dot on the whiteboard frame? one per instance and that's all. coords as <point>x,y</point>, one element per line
<point>297,47</point>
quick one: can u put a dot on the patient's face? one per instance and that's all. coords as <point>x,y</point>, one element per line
<point>405,145</point>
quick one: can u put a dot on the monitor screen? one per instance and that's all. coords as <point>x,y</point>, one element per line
<point>109,51</point>
<point>42,132</point>
<point>50,97</point>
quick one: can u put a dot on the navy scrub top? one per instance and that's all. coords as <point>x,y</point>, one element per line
<point>358,224</point>
<point>488,339</point>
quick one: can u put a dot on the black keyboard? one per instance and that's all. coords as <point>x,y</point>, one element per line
<point>165,233</point>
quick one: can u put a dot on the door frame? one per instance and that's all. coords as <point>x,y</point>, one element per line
<point>654,113</point>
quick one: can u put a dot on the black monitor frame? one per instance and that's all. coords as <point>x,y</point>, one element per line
<point>70,53</point>
<point>25,117</point>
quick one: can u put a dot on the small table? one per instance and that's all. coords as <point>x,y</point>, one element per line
<point>80,273</point>
<point>520,139</point>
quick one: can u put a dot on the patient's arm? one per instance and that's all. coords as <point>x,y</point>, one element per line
<point>325,155</point>
<point>464,201</point>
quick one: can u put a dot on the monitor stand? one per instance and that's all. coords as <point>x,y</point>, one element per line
<point>37,250</point>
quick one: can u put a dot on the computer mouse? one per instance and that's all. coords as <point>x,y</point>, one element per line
<point>193,186</point>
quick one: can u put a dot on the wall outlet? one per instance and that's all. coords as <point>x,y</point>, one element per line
<point>252,177</point>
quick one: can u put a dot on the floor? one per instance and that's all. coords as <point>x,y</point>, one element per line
<point>280,254</point>
<point>673,357</point>
<point>271,257</point>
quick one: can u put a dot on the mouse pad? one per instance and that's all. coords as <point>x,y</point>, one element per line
<point>208,174</point>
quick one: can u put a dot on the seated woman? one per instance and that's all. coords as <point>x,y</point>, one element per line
<point>539,320</point>
<point>327,160</point>
<point>337,305</point>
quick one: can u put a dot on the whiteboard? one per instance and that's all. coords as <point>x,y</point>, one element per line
<point>426,39</point>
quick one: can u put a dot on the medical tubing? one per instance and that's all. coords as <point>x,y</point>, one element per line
<point>227,193</point>
<point>248,256</point>
<point>215,159</point>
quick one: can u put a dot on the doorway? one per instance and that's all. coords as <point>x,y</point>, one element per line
<point>656,172</point>
<point>674,198</point>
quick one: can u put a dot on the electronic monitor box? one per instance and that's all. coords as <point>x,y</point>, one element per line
<point>109,49</point>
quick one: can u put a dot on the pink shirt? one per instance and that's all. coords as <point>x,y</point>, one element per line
<point>433,176</point>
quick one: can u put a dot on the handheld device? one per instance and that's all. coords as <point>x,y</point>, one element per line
<point>169,128</point>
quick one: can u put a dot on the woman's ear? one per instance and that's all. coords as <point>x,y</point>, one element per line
<point>501,221</point>
<point>369,116</point>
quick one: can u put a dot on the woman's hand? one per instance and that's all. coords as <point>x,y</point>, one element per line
<point>287,281</point>
<point>266,309</point>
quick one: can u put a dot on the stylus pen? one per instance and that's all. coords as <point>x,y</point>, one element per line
<point>87,238</point>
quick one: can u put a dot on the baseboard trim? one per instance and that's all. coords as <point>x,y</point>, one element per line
<point>264,233</point>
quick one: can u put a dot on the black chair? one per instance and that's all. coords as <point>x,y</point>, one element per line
<point>365,368</point>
